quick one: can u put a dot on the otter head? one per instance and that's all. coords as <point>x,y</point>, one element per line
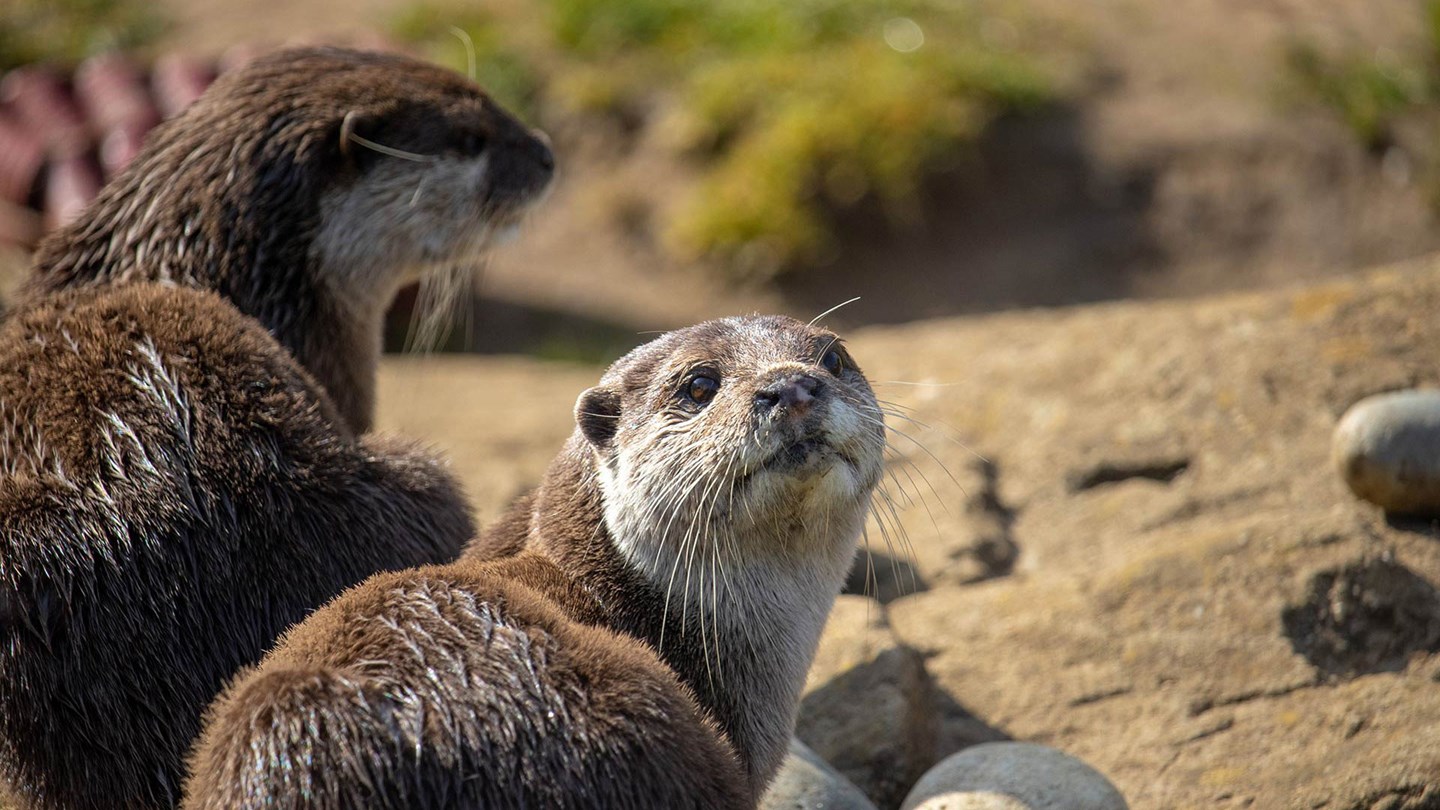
<point>430,169</point>
<point>751,439</point>
<point>307,187</point>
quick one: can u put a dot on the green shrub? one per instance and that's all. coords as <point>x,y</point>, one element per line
<point>1366,92</point>
<point>1371,89</point>
<point>70,30</point>
<point>788,109</point>
<point>506,71</point>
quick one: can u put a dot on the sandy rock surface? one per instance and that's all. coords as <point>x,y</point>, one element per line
<point>1197,606</point>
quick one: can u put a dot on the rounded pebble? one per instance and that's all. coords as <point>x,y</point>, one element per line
<point>1387,448</point>
<point>1013,776</point>
<point>807,782</point>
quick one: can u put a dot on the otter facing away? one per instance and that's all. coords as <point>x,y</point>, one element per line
<point>307,188</point>
<point>646,649</point>
<point>176,487</point>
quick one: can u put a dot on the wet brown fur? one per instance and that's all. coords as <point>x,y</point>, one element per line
<point>175,488</point>
<point>537,680</point>
<point>228,197</point>
<point>174,492</point>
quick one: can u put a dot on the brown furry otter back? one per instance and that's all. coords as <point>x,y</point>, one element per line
<point>175,491</point>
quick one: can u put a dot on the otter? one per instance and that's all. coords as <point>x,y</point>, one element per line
<point>182,391</point>
<point>648,645</point>
<point>308,187</point>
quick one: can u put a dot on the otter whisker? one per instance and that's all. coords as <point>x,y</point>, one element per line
<point>714,554</point>
<point>872,582</point>
<point>349,135</point>
<point>464,37</point>
<point>904,412</point>
<point>691,544</point>
<point>903,534</point>
<point>901,457</point>
<point>918,384</point>
<point>438,307</point>
<point>675,567</point>
<point>814,320</point>
<point>922,447</point>
<point>889,526</point>
<point>904,465</point>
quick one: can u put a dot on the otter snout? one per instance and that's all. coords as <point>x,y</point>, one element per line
<point>793,394</point>
<point>523,170</point>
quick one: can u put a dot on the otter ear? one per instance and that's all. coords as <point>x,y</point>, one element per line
<point>597,413</point>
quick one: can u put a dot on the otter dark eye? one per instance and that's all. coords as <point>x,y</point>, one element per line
<point>701,389</point>
<point>833,362</point>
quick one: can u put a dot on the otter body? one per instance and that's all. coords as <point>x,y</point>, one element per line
<point>648,646</point>
<point>181,392</point>
<point>174,492</point>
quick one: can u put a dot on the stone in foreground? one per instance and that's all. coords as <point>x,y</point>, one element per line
<point>1387,448</point>
<point>806,781</point>
<point>1013,776</point>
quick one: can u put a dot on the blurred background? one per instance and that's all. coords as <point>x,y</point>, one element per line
<point>932,157</point>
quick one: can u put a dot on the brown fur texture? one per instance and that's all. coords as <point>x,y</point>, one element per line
<point>246,194</point>
<point>496,689</point>
<point>175,491</point>
<point>563,676</point>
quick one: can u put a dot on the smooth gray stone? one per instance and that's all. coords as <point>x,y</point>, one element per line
<point>807,782</point>
<point>1013,776</point>
<point>1387,449</point>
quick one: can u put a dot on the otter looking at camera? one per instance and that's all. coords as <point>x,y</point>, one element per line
<point>647,648</point>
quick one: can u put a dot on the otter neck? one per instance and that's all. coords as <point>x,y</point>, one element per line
<point>335,336</point>
<point>744,656</point>
<point>241,221</point>
<point>341,347</point>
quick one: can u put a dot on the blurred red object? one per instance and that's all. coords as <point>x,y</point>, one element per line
<point>62,137</point>
<point>71,184</point>
<point>22,156</point>
<point>112,93</point>
<point>177,81</point>
<point>39,99</point>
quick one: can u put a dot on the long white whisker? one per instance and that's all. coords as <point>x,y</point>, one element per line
<point>469,44</point>
<point>814,320</point>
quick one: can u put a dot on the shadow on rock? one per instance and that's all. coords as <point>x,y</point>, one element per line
<point>1369,616</point>
<point>492,326</point>
<point>883,577</point>
<point>959,727</point>
<point>874,724</point>
<point>884,723</point>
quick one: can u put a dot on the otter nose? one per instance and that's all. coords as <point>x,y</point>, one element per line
<point>795,393</point>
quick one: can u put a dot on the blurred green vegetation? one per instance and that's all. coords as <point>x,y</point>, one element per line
<point>70,30</point>
<point>788,110</point>
<point>1371,89</point>
<point>1368,92</point>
